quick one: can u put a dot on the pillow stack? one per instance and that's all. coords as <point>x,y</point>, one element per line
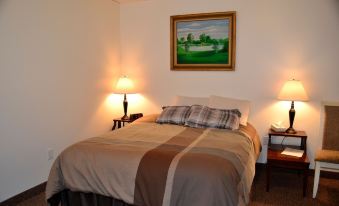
<point>218,102</point>
<point>199,116</point>
<point>212,111</point>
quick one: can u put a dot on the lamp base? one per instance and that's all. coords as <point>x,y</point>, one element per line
<point>290,130</point>
<point>125,117</point>
<point>125,103</point>
<point>291,115</point>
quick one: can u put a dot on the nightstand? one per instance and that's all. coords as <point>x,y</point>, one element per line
<point>276,159</point>
<point>118,122</point>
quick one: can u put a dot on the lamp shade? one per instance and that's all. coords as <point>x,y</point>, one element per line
<point>293,90</point>
<point>124,86</point>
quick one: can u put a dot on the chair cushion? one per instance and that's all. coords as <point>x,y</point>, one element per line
<point>330,156</point>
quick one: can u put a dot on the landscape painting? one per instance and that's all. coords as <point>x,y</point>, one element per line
<point>203,41</point>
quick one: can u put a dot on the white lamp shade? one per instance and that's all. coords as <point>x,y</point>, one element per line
<point>124,86</point>
<point>293,90</point>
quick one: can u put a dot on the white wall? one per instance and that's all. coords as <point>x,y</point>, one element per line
<point>276,40</point>
<point>58,62</point>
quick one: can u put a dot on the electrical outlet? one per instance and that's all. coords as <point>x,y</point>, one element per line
<point>50,153</point>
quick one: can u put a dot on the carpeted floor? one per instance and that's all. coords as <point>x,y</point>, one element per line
<point>286,189</point>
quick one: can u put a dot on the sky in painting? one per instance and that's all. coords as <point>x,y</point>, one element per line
<point>216,29</point>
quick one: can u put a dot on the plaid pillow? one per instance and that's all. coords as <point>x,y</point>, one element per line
<point>203,116</point>
<point>174,115</point>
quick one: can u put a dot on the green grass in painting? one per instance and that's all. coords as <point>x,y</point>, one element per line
<point>201,57</point>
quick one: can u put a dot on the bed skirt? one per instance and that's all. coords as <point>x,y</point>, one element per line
<point>69,198</point>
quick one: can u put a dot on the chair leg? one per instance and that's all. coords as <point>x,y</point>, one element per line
<point>316,178</point>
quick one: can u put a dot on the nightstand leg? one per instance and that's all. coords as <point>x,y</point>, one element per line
<point>114,125</point>
<point>119,124</point>
<point>268,174</point>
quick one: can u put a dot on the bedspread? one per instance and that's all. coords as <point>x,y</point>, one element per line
<point>152,164</point>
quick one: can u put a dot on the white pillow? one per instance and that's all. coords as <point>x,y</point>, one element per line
<point>188,101</point>
<point>228,103</point>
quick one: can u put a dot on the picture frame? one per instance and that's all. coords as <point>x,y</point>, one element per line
<point>203,42</point>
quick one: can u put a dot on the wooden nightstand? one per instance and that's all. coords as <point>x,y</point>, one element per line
<point>276,159</point>
<point>117,122</point>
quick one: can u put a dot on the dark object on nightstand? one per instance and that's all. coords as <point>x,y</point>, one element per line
<point>276,159</point>
<point>135,116</point>
<point>117,122</point>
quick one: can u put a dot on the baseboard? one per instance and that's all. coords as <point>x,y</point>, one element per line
<point>24,195</point>
<point>324,174</point>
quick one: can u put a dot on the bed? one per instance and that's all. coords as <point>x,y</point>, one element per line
<point>146,163</point>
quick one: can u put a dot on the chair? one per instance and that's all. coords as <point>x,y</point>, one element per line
<point>327,159</point>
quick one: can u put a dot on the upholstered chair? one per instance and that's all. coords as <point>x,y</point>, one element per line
<point>327,159</point>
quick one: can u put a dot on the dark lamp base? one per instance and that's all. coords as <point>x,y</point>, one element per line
<point>125,117</point>
<point>291,130</point>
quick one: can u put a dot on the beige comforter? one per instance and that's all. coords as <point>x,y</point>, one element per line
<point>152,164</point>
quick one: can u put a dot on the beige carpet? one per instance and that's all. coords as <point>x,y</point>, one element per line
<point>286,189</point>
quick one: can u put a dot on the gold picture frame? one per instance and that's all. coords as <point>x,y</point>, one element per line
<point>203,42</point>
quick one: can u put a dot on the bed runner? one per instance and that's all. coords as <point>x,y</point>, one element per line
<point>154,165</point>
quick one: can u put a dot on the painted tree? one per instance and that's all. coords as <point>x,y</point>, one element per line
<point>215,46</point>
<point>226,45</point>
<point>187,46</point>
<point>202,38</point>
<point>190,37</point>
<point>208,39</point>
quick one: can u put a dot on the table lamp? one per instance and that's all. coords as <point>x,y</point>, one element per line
<point>293,90</point>
<point>124,86</point>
